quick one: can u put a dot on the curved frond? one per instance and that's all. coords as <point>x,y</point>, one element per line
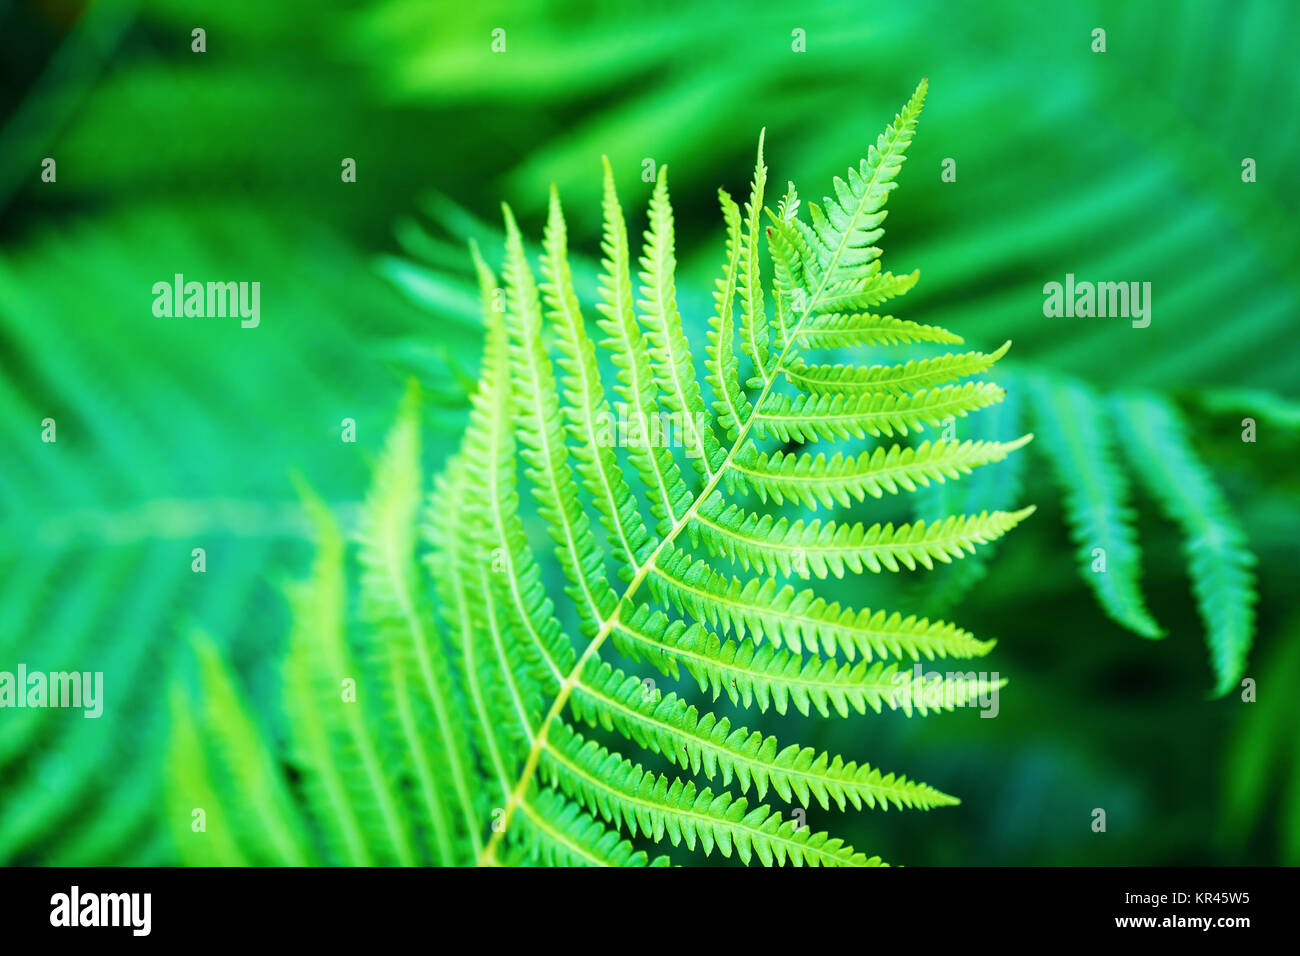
<point>1156,441</point>
<point>890,379</point>
<point>1073,433</point>
<point>730,402</point>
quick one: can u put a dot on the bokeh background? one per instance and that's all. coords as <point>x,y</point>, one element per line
<point>1122,165</point>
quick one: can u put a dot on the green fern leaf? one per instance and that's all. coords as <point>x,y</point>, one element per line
<point>674,369</point>
<point>891,379</point>
<point>1155,440</point>
<point>808,418</point>
<point>543,441</point>
<point>776,545</point>
<point>636,384</point>
<point>764,675</point>
<point>840,330</point>
<point>221,767</point>
<point>467,745</point>
<point>811,481</point>
<point>626,795</point>
<point>709,745</point>
<point>731,403</point>
<point>585,404</point>
<point>1072,427</point>
<point>799,619</point>
<point>754,331</point>
<point>422,691</point>
<point>337,749</point>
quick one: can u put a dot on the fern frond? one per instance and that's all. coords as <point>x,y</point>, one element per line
<point>708,744</point>
<point>464,744</point>
<point>788,253</point>
<point>669,496</point>
<point>543,444</point>
<point>493,525</point>
<point>1072,424</point>
<point>778,545</point>
<point>1155,440</point>
<point>500,662</point>
<point>730,401</point>
<point>813,481</point>
<point>841,330</point>
<point>850,224</point>
<point>333,744</point>
<point>670,354</point>
<point>767,676</point>
<point>568,837</point>
<point>224,770</point>
<point>853,296</point>
<point>625,794</point>
<point>890,379</point>
<point>421,691</point>
<point>807,418</point>
<point>193,785</point>
<point>800,619</point>
<point>497,750</point>
<point>586,407</point>
<point>753,324</point>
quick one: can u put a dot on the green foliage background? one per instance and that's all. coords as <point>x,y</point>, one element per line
<point>225,165</point>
